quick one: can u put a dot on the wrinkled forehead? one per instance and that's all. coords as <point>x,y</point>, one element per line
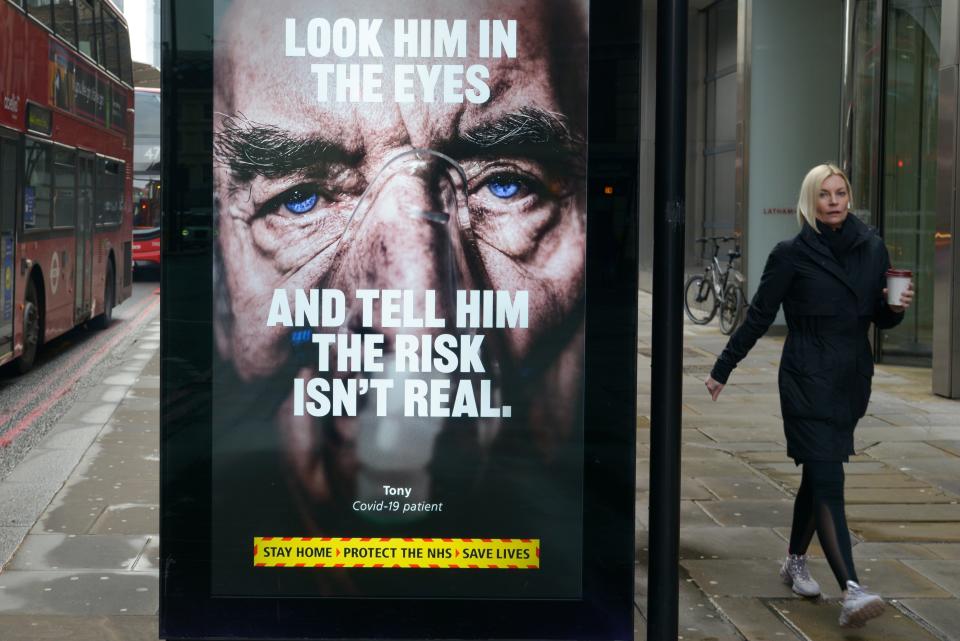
<point>254,76</point>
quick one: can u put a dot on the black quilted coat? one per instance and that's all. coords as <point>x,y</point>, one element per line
<point>827,365</point>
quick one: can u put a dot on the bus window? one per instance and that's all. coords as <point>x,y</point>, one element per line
<point>110,58</point>
<point>42,10</point>
<point>64,187</point>
<point>87,27</point>
<point>8,184</point>
<point>37,183</point>
<point>109,191</point>
<point>64,20</point>
<point>101,37</point>
<point>126,66</point>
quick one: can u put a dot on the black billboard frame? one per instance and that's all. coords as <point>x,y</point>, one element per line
<point>187,608</point>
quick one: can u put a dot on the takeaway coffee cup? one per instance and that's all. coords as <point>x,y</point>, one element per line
<point>897,282</point>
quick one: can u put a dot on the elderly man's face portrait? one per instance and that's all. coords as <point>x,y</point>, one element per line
<point>439,171</point>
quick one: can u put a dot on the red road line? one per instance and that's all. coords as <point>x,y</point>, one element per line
<point>8,437</point>
<point>66,366</point>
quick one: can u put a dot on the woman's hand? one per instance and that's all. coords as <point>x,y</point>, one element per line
<point>713,387</point>
<point>905,299</point>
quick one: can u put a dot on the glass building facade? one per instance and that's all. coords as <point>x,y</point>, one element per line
<point>866,96</point>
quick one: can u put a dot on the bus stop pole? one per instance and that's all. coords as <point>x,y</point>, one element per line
<point>667,358</point>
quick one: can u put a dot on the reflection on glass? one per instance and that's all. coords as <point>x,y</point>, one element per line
<point>910,163</point>
<point>866,71</point>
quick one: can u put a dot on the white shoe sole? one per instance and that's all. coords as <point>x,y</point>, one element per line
<point>787,580</point>
<point>870,609</point>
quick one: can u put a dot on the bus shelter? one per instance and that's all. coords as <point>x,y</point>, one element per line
<point>399,311</point>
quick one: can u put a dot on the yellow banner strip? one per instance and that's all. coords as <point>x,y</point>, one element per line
<point>461,554</point>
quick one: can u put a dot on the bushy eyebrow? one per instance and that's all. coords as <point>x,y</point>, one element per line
<point>528,128</point>
<point>252,149</point>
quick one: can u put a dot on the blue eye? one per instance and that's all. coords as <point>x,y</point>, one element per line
<point>504,187</point>
<point>300,203</point>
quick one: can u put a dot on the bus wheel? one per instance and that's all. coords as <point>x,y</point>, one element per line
<point>103,320</point>
<point>31,330</point>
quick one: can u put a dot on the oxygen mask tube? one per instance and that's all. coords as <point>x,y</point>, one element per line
<point>406,242</point>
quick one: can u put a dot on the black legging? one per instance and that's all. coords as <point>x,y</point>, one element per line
<point>819,506</point>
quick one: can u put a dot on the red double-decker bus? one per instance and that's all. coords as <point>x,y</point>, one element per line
<point>66,156</point>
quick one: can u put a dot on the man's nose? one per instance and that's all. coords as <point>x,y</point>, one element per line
<point>405,237</point>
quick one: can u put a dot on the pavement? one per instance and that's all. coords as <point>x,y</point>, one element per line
<point>902,493</point>
<point>79,516</point>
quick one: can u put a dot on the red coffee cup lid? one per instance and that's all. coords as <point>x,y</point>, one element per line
<point>904,273</point>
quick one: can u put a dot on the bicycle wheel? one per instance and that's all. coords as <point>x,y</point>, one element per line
<point>731,309</point>
<point>699,301</point>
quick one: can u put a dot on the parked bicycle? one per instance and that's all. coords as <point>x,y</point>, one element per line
<point>716,289</point>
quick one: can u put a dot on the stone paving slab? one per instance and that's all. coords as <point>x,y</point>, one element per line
<point>950,551</point>
<point>940,614</point>
<point>716,467</point>
<point>869,551</point>
<point>754,619</point>
<point>89,413</point>
<point>894,433</point>
<point>950,447</point>
<point>735,448</point>
<point>899,513</point>
<point>934,532</point>
<point>67,518</point>
<point>691,515</point>
<point>69,436</point>
<point>78,592</point>
<point>730,543</point>
<point>853,468</point>
<point>128,518</point>
<point>870,481</point>
<point>32,627</point>
<point>871,495</point>
<point>946,574</point>
<point>888,577</point>
<point>122,464</point>
<point>814,549</point>
<point>73,552</point>
<point>738,578</point>
<point>149,558</point>
<point>692,489</point>
<point>818,621</point>
<point>900,451</point>
<point>739,487</point>
<point>700,620</point>
<point>738,513</point>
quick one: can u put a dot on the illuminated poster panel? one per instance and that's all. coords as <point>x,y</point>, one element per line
<point>400,229</point>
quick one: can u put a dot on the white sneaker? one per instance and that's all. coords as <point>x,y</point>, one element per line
<point>795,574</point>
<point>859,606</point>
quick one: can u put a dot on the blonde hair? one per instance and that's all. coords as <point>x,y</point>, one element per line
<point>810,191</point>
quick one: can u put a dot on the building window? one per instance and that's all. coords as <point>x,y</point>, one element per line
<point>87,27</point>
<point>42,10</point>
<point>64,187</point>
<point>37,185</point>
<point>64,20</point>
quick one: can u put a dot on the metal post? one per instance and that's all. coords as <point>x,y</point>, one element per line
<point>666,380</point>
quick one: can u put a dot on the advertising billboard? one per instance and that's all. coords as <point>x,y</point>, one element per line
<point>399,281</point>
<point>399,294</point>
